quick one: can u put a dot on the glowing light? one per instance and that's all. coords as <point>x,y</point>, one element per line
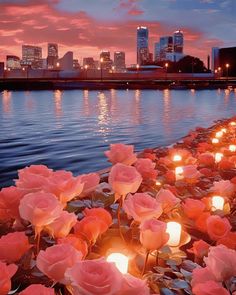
<point>179,173</point>
<point>218,157</point>
<point>174,230</point>
<point>217,203</point>
<point>232,148</point>
<point>158,183</point>
<point>219,134</point>
<point>177,158</point>
<point>224,130</point>
<point>232,123</point>
<point>120,260</point>
<point>215,140</point>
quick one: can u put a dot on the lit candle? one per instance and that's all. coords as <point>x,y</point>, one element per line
<point>177,158</point>
<point>120,260</point>
<point>232,123</point>
<point>218,157</point>
<point>179,173</point>
<point>215,140</point>
<point>224,130</point>
<point>158,183</point>
<point>217,203</point>
<point>219,134</point>
<point>232,148</point>
<point>174,231</point>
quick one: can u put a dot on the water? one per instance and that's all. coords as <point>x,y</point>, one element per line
<point>71,129</point>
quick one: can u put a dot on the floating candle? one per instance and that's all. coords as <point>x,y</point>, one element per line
<point>219,134</point>
<point>232,123</point>
<point>174,231</point>
<point>217,203</point>
<point>218,157</point>
<point>232,148</point>
<point>224,130</point>
<point>179,173</point>
<point>177,158</point>
<point>121,261</point>
<point>215,140</point>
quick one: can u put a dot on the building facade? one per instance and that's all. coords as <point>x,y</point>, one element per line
<point>13,62</point>
<point>105,60</point>
<point>52,57</point>
<point>142,46</point>
<point>89,62</point>
<point>119,60</point>
<point>32,56</point>
<point>178,41</point>
<point>166,46</point>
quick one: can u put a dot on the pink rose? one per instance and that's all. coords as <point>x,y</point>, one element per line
<point>121,153</point>
<point>124,179</point>
<point>206,159</point>
<point>201,221</point>
<point>193,208</point>
<point>210,288</point>
<point>146,168</point>
<point>229,240</point>
<point>101,214</point>
<point>35,169</point>
<point>61,226</point>
<point>167,199</point>
<point>141,206</point>
<point>223,188</point>
<point>13,246</point>
<point>95,277</point>
<point>55,260</point>
<point>153,234</point>
<point>200,248</point>
<point>37,289</point>
<point>221,261</point>
<point>76,242</point>
<point>6,271</point>
<point>40,209</point>
<point>10,200</point>
<point>202,275</point>
<point>217,227</point>
<point>190,173</point>
<point>133,286</point>
<point>90,182</point>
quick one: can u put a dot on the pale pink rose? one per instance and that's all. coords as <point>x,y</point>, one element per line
<point>167,199</point>
<point>221,261</point>
<point>64,186</point>
<point>206,159</point>
<point>210,288</point>
<point>13,246</point>
<point>76,242</point>
<point>35,169</point>
<point>6,271</point>
<point>153,234</point>
<point>190,173</point>
<point>202,275</point>
<point>101,214</point>
<point>55,260</point>
<point>95,277</point>
<point>200,248</point>
<point>193,208</point>
<point>124,179</point>
<point>10,200</point>
<point>146,168</point>
<point>61,226</point>
<point>133,286</point>
<point>90,182</point>
<point>121,153</point>
<point>217,227</point>
<point>37,289</point>
<point>223,188</point>
<point>40,208</point>
<point>141,206</point>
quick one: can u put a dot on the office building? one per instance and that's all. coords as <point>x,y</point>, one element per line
<point>52,58</point>
<point>105,60</point>
<point>166,46</point>
<point>157,53</point>
<point>66,62</point>
<point>32,56</point>
<point>89,62</point>
<point>119,60</point>
<point>178,41</point>
<point>13,62</point>
<point>223,60</point>
<point>142,46</point>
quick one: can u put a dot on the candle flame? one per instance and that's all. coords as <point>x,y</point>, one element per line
<point>215,140</point>
<point>174,230</point>
<point>177,158</point>
<point>121,261</point>
<point>217,203</point>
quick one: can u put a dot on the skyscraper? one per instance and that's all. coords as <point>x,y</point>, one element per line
<point>178,41</point>
<point>105,60</point>
<point>119,60</point>
<point>157,51</point>
<point>166,46</point>
<point>142,45</point>
<point>52,55</point>
<point>32,56</point>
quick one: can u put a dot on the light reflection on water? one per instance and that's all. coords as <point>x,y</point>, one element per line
<point>71,129</point>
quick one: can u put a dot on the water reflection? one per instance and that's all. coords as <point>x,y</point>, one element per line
<point>6,101</point>
<point>103,117</point>
<point>58,103</point>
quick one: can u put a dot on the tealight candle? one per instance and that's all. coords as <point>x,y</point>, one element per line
<point>177,158</point>
<point>232,148</point>
<point>232,123</point>
<point>179,173</point>
<point>158,183</point>
<point>121,261</point>
<point>224,130</point>
<point>219,134</point>
<point>218,157</point>
<point>217,203</point>
<point>174,230</point>
<point>215,140</point>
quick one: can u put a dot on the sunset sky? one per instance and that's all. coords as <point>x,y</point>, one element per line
<point>88,26</point>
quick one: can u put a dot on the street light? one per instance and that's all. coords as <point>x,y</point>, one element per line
<point>137,67</point>
<point>101,61</point>
<point>227,71</point>
<point>166,66</point>
<point>86,69</point>
<point>219,71</point>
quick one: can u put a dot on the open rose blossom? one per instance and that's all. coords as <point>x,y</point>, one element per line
<point>210,288</point>
<point>121,153</point>
<point>40,208</point>
<point>229,240</point>
<point>193,208</point>
<point>6,271</point>
<point>221,261</point>
<point>200,248</point>
<point>141,206</point>
<point>76,242</point>
<point>167,199</point>
<point>206,159</point>
<point>146,168</point>
<point>37,289</point>
<point>124,179</point>
<point>90,182</point>
<point>133,286</point>
<point>190,173</point>
<point>55,260</point>
<point>61,226</point>
<point>153,234</point>
<point>223,188</point>
<point>95,277</point>
<point>217,227</point>
<point>201,221</point>
<point>13,246</point>
<point>201,275</point>
<point>10,200</point>
<point>100,213</point>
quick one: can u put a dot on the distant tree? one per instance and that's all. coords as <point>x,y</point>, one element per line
<point>190,64</point>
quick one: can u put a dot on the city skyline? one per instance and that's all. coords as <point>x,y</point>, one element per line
<point>87,29</point>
